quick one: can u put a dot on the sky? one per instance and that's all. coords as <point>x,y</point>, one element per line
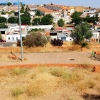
<point>88,3</point>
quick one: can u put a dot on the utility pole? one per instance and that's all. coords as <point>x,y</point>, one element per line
<point>22,58</point>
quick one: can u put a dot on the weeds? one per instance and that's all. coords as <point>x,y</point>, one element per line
<point>68,76</point>
<point>16,92</point>
<point>86,85</point>
<point>19,71</point>
<point>41,83</point>
<point>91,84</point>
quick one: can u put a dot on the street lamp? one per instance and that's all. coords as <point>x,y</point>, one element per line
<point>20,31</point>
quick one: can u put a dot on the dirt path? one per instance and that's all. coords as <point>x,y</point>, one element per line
<point>73,57</point>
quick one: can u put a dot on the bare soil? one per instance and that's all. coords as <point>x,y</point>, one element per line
<point>66,54</point>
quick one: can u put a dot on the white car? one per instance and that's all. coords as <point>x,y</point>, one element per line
<point>69,39</point>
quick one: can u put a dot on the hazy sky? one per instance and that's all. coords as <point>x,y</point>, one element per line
<point>91,3</point>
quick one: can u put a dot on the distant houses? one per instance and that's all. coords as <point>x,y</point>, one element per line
<point>12,34</point>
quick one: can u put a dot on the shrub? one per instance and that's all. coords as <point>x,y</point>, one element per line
<point>35,39</point>
<point>57,42</point>
<point>18,43</point>
<point>84,44</point>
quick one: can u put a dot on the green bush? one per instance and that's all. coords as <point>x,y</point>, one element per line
<point>57,42</point>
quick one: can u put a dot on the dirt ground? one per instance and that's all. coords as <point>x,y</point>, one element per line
<point>66,54</point>
<point>73,57</point>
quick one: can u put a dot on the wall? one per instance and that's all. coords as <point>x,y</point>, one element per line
<point>40,27</point>
<point>13,37</point>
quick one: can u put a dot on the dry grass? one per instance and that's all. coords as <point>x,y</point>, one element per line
<point>49,83</point>
<point>48,48</point>
<point>67,46</point>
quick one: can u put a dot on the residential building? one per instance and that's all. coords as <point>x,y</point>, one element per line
<point>95,37</point>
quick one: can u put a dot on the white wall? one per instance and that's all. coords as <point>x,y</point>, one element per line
<point>95,36</point>
<point>6,16</point>
<point>14,37</point>
<point>53,37</point>
<point>40,27</point>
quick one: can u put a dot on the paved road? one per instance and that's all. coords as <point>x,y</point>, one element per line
<point>55,58</point>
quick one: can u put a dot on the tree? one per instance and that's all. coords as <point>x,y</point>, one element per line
<point>38,13</point>
<point>22,10</point>
<point>3,12</point>
<point>56,42</point>
<point>3,25</point>
<point>76,17</point>
<point>35,39</point>
<point>27,8</point>
<point>81,32</point>
<point>60,23</point>
<point>9,3</point>
<point>36,21</point>
<point>26,14</point>
<point>3,20</point>
<point>13,20</point>
<point>93,19</point>
<point>25,18</point>
<point>47,20</point>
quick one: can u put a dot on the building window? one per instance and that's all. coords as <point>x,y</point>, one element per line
<point>8,38</point>
<point>12,38</point>
<point>16,38</point>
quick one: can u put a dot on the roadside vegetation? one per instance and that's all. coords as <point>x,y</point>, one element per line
<point>82,34</point>
<point>49,83</point>
<point>35,39</point>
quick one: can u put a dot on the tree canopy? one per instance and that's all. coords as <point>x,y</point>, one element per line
<point>47,20</point>
<point>3,20</point>
<point>81,32</point>
<point>60,23</point>
<point>22,10</point>
<point>27,8</point>
<point>25,18</point>
<point>38,13</point>
<point>13,20</point>
<point>36,21</point>
<point>76,17</point>
<point>9,3</point>
<point>93,19</point>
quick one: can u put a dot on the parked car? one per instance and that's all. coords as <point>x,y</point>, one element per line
<point>2,41</point>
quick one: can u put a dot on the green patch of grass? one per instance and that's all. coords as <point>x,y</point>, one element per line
<point>19,71</point>
<point>16,92</point>
<point>68,76</point>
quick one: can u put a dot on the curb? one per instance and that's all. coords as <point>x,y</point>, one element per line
<point>96,68</point>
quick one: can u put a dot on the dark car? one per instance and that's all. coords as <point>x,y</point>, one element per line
<point>2,41</point>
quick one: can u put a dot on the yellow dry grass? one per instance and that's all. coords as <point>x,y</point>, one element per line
<point>49,83</point>
<point>67,46</point>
